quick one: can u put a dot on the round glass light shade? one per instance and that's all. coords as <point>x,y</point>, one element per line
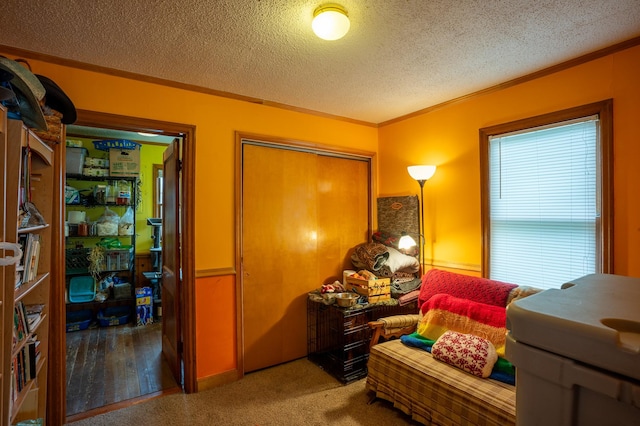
<point>330,22</point>
<point>406,242</point>
<point>421,172</point>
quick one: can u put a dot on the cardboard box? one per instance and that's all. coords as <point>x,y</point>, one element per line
<point>144,306</point>
<point>375,290</point>
<point>122,291</point>
<point>124,162</point>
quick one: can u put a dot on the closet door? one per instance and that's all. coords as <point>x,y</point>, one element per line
<point>279,252</point>
<point>296,232</point>
<point>343,197</point>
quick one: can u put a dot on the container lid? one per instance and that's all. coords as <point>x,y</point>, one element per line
<point>82,289</point>
<point>594,319</point>
<point>76,149</point>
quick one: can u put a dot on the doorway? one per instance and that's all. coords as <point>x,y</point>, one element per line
<point>151,336</point>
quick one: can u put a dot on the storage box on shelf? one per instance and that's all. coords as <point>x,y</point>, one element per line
<point>75,159</point>
<point>26,287</point>
<point>114,260</point>
<point>82,289</point>
<point>375,290</point>
<point>124,156</point>
<point>124,162</point>
<point>121,159</point>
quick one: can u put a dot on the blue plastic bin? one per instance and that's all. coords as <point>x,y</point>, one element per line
<point>78,320</point>
<point>115,315</point>
<point>82,289</point>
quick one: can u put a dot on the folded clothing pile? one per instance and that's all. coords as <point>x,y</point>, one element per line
<point>383,261</point>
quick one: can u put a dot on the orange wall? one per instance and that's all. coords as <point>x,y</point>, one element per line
<point>216,325</point>
<point>216,120</point>
<point>448,137</point>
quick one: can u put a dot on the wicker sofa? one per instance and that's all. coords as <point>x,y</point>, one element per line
<point>432,391</point>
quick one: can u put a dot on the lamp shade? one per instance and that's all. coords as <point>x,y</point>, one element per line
<point>421,172</point>
<point>330,22</point>
<point>406,242</point>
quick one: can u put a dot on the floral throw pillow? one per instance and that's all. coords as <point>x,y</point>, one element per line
<point>470,353</point>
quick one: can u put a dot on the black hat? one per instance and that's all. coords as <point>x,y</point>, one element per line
<point>5,94</point>
<point>56,99</point>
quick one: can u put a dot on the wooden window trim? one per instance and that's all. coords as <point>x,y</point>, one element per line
<point>604,110</point>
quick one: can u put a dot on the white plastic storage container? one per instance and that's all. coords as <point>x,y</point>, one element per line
<point>577,353</point>
<point>75,160</point>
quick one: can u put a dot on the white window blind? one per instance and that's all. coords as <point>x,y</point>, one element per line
<point>543,204</point>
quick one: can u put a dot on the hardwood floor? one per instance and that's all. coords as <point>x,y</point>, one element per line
<point>107,365</point>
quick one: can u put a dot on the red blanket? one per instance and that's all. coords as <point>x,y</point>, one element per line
<point>478,289</point>
<point>444,312</point>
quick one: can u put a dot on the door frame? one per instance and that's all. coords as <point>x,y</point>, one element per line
<point>243,138</point>
<point>57,391</point>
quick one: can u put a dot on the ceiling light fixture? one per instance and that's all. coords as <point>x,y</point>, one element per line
<point>330,22</point>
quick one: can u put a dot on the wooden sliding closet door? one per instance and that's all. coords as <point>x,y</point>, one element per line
<point>343,197</point>
<point>301,213</point>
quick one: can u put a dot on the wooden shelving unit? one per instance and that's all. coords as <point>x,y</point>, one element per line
<point>26,161</point>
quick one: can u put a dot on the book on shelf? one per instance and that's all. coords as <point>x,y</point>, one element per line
<point>15,387</point>
<point>35,258</point>
<point>35,345</point>
<point>22,241</point>
<point>32,352</point>
<point>24,363</point>
<point>28,266</point>
<point>34,313</point>
<point>19,322</point>
<point>24,366</point>
<point>18,280</point>
<point>25,318</point>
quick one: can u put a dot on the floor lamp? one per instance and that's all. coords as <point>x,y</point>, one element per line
<point>421,174</point>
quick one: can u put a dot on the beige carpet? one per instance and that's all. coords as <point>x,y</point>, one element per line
<point>296,393</point>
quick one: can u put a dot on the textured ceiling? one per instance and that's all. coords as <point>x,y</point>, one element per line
<point>399,56</point>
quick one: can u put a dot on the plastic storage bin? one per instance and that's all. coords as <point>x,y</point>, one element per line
<point>78,320</point>
<point>577,353</point>
<point>75,160</point>
<point>77,259</point>
<point>82,289</point>
<point>115,315</point>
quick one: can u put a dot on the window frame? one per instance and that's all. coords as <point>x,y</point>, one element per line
<point>604,238</point>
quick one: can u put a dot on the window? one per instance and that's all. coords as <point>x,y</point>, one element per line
<point>546,207</point>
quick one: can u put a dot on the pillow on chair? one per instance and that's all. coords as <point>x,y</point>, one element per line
<point>470,353</point>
